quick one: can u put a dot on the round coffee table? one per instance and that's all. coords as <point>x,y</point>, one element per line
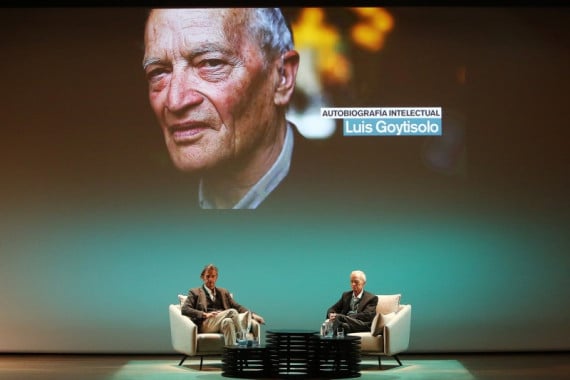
<point>244,361</point>
<point>290,352</point>
<point>337,357</point>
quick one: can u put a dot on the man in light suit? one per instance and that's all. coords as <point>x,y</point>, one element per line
<point>355,309</point>
<point>213,309</point>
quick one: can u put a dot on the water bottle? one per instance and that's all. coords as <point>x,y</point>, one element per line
<point>329,331</point>
<point>323,329</point>
<point>249,318</point>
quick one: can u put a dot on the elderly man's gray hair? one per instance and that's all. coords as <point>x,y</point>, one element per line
<point>271,29</point>
<point>360,274</point>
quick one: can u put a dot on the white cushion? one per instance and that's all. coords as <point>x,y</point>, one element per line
<point>388,303</point>
<point>380,320</point>
<point>388,306</point>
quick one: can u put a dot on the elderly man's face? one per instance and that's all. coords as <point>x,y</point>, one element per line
<point>356,283</point>
<point>209,87</point>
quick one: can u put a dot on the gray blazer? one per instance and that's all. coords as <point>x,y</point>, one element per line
<point>196,303</point>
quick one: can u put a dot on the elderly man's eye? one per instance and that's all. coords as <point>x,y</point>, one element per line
<point>154,75</point>
<point>213,69</point>
<point>211,63</point>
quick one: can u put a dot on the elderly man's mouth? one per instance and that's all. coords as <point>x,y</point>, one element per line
<point>187,133</point>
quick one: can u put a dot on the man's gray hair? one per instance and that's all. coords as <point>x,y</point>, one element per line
<point>271,30</point>
<point>359,273</point>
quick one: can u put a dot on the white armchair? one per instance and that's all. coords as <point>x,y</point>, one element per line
<point>390,331</point>
<point>187,340</point>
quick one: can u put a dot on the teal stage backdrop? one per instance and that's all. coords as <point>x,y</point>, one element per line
<point>97,237</point>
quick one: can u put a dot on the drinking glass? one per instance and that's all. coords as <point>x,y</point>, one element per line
<point>242,338</point>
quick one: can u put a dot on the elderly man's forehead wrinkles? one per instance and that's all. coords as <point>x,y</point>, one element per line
<point>159,45</point>
<point>235,25</point>
<point>209,47</point>
<point>209,39</point>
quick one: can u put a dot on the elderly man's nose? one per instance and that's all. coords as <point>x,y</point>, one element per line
<point>182,92</point>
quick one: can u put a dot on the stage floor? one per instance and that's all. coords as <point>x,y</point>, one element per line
<point>146,367</point>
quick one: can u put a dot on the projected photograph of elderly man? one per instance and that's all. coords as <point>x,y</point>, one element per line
<point>219,83</point>
<point>238,95</point>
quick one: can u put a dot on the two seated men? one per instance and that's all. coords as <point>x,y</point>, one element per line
<point>213,309</point>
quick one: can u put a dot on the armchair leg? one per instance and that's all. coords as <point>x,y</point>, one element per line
<point>201,360</point>
<point>379,362</point>
<point>398,360</point>
<point>182,361</point>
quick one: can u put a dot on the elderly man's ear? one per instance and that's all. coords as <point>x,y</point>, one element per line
<point>287,77</point>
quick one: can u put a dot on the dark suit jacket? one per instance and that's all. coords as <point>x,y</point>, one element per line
<point>312,178</point>
<point>366,310</point>
<point>197,304</point>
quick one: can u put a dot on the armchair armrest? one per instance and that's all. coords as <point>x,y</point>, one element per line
<point>397,331</point>
<point>183,332</point>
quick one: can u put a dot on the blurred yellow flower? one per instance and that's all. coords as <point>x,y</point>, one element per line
<point>312,31</point>
<point>370,32</point>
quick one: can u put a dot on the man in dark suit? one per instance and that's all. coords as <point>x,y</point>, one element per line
<point>213,309</point>
<point>355,309</point>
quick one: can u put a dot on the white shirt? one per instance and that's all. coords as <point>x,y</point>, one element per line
<point>359,296</point>
<point>211,294</point>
